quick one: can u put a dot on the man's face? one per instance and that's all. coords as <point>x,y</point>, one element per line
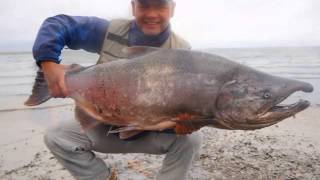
<point>153,17</point>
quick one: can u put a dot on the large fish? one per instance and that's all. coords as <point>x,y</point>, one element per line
<point>155,89</point>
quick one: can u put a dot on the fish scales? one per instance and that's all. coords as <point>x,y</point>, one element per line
<point>155,89</point>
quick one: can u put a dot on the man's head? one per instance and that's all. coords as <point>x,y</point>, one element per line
<point>152,16</point>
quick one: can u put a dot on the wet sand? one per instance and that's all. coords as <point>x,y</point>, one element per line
<point>288,150</point>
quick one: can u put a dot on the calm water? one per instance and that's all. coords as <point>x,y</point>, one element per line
<point>17,70</point>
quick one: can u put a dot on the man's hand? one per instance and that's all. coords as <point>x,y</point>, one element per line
<point>54,74</point>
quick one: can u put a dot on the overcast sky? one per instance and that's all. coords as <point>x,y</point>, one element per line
<point>204,23</point>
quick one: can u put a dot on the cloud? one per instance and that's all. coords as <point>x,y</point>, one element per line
<point>249,22</point>
<point>205,23</point>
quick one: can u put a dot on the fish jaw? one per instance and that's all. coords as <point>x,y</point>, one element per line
<point>277,113</point>
<point>273,116</point>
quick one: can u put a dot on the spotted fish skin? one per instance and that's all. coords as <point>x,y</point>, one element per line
<point>156,89</point>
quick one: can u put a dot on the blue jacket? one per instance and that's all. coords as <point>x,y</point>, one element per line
<point>82,32</point>
<point>87,33</point>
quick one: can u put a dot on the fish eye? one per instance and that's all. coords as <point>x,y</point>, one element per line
<point>266,95</point>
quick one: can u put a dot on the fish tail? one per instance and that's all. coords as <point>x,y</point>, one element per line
<point>40,91</point>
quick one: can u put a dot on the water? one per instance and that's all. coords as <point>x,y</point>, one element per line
<point>17,70</point>
<point>301,63</point>
<point>17,73</point>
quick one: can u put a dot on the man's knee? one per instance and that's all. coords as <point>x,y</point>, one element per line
<point>67,136</point>
<point>61,138</point>
<point>51,137</point>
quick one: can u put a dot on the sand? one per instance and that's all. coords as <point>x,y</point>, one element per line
<point>288,150</point>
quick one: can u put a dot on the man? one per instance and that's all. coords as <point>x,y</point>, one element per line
<point>73,148</point>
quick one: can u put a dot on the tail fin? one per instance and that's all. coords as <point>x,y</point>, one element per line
<point>40,91</point>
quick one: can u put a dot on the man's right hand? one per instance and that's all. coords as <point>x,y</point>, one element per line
<point>54,74</point>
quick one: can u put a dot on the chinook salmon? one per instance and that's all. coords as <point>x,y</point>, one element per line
<point>156,89</point>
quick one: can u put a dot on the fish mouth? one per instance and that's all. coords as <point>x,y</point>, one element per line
<point>276,111</point>
<point>279,111</point>
<point>273,115</point>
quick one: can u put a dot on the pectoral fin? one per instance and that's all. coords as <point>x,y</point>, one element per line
<point>129,134</point>
<point>126,132</point>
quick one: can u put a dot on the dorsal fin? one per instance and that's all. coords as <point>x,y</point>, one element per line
<point>75,68</point>
<point>136,51</point>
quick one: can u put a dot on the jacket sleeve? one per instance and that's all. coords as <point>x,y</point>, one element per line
<point>75,32</point>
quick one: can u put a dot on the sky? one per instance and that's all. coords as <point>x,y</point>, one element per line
<point>204,23</point>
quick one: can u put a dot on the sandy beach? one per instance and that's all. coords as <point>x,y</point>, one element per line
<point>288,150</point>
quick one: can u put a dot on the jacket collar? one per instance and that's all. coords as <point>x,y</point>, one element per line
<point>138,38</point>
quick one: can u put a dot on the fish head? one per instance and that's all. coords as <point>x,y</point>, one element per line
<point>251,100</point>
